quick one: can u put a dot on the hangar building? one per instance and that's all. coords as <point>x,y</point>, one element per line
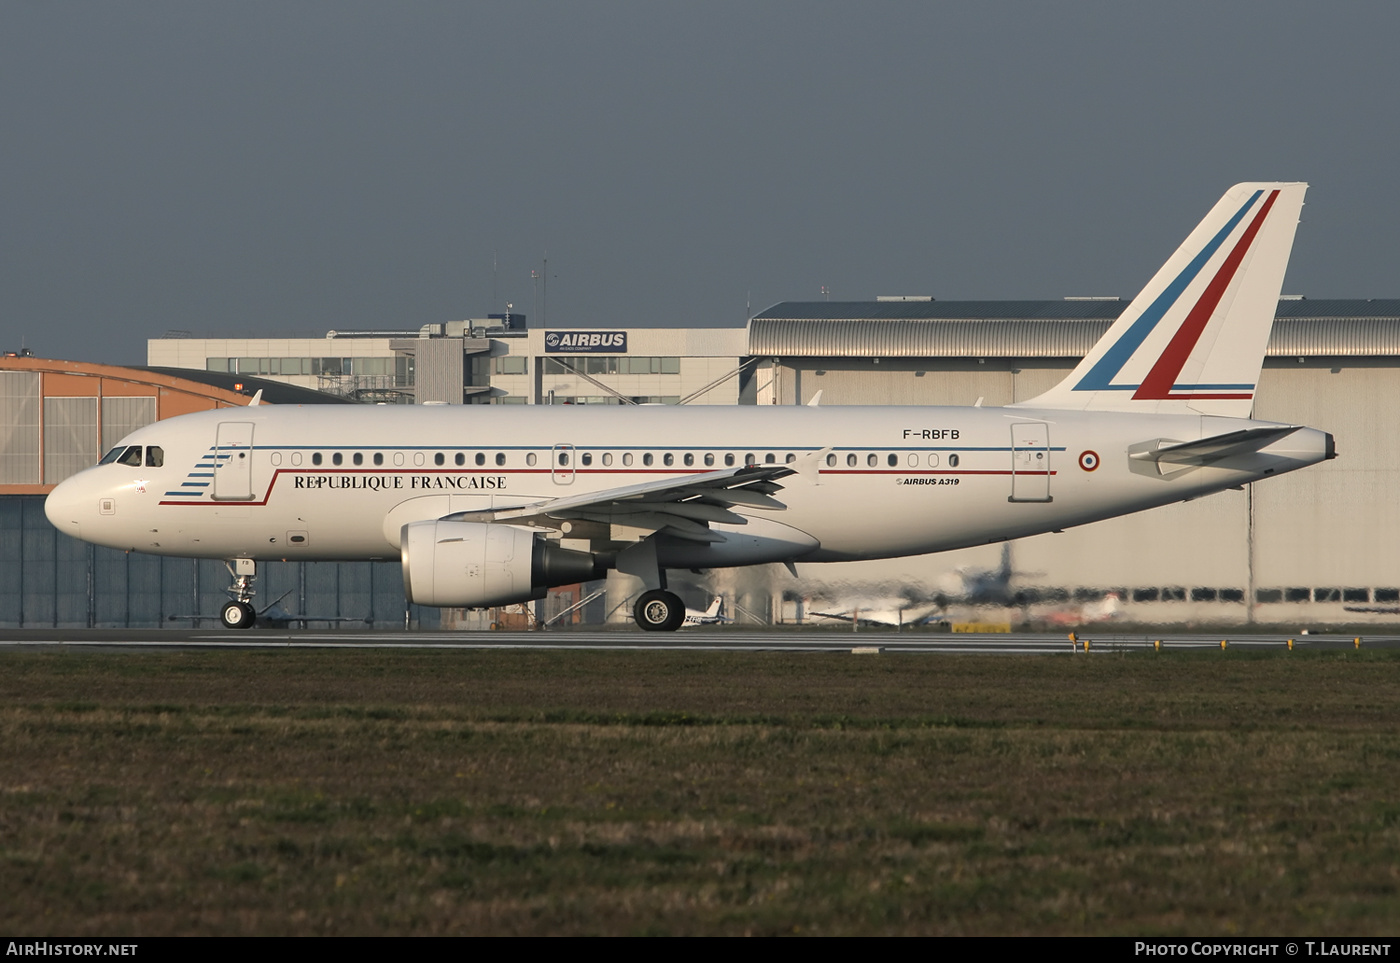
<point>56,418</point>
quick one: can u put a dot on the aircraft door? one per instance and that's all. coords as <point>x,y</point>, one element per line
<point>561,464</point>
<point>233,462</point>
<point>1030,462</point>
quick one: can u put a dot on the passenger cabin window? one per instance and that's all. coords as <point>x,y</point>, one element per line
<point>851,460</point>
<point>668,459</point>
<point>530,459</point>
<point>647,459</point>
<point>872,459</point>
<point>316,458</point>
<point>359,458</point>
<point>607,458</point>
<point>586,458</point>
<point>379,457</point>
<point>953,461</point>
<point>770,459</point>
<point>459,459</point>
<point>336,459</point>
<point>155,456</point>
<point>481,459</point>
<point>500,458</point>
<point>689,459</point>
<point>709,458</point>
<point>627,458</point>
<point>439,459</point>
<point>790,458</point>
<point>893,459</point>
<point>729,460</point>
<point>831,461</point>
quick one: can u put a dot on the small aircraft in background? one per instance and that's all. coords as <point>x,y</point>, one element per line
<point>711,616</point>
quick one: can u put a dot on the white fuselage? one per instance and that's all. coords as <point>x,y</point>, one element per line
<point>340,482</point>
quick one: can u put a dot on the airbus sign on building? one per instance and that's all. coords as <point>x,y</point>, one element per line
<point>585,342</point>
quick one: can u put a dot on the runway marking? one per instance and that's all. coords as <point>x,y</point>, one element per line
<point>693,641</point>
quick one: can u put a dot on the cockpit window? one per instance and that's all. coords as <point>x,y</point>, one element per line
<point>112,456</point>
<point>155,456</point>
<point>132,457</point>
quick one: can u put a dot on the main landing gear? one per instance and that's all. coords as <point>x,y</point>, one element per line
<point>238,612</point>
<point>659,611</point>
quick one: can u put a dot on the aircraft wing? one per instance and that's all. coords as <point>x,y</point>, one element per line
<point>682,507</point>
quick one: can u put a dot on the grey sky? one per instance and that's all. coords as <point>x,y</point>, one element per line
<point>256,169</point>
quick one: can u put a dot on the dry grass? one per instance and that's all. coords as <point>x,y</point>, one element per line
<point>369,792</point>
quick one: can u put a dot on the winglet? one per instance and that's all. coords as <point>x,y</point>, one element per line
<point>256,400</point>
<point>816,399</point>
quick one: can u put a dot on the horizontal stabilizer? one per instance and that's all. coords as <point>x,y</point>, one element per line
<point>1162,456</point>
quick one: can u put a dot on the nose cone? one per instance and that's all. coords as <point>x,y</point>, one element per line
<point>64,505</point>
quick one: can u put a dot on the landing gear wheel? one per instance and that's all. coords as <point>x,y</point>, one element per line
<point>238,615</point>
<point>659,611</point>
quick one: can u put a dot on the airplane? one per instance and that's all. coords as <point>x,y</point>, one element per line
<point>711,616</point>
<point>489,506</point>
<point>887,612</point>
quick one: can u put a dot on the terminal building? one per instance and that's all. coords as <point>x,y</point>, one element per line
<point>1315,547</point>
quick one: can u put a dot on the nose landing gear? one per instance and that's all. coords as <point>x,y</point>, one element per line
<point>238,613</point>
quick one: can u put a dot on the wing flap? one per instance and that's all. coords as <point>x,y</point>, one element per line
<point>683,507</point>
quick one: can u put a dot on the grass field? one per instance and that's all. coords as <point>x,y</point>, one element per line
<point>346,792</point>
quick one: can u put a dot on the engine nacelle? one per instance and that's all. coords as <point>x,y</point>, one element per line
<point>475,565</point>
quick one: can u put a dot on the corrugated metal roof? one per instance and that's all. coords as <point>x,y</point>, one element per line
<point>1038,329</point>
<point>1085,310</point>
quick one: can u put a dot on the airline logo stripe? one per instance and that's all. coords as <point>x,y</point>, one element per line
<point>1113,360</point>
<point>1162,378</point>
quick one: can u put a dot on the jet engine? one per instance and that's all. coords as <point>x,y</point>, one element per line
<point>475,565</point>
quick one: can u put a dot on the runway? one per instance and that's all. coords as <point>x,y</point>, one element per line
<point>694,640</point>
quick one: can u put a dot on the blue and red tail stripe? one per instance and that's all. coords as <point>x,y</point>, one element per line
<point>1160,383</point>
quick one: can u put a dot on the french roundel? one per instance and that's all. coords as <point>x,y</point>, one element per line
<point>1089,460</point>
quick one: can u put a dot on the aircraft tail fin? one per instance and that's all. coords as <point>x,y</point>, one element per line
<point>713,610</point>
<point>1194,339</point>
